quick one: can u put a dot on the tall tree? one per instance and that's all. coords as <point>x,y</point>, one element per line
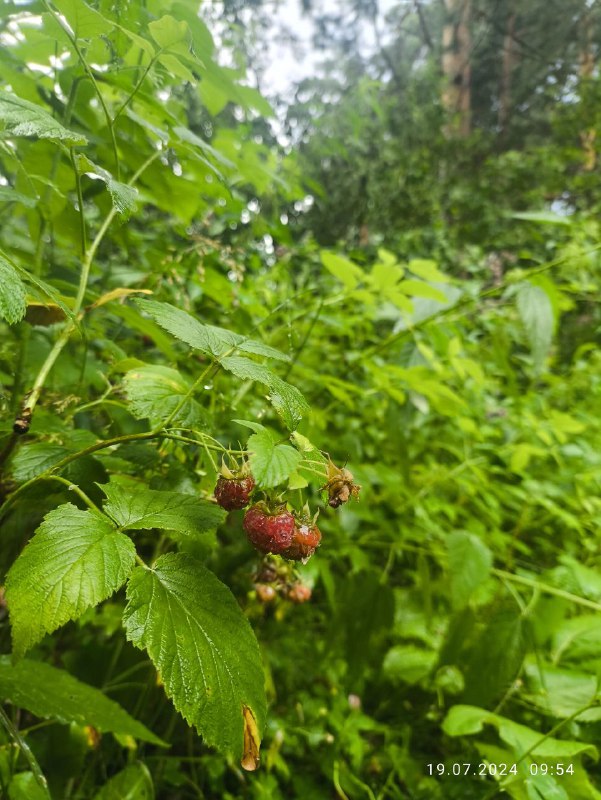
<point>456,66</point>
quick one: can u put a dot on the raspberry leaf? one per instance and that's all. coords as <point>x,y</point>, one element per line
<point>286,399</point>
<point>144,508</point>
<point>206,338</point>
<point>132,783</point>
<point>470,562</point>
<point>75,560</point>
<point>271,463</point>
<point>202,645</point>
<point>12,294</point>
<point>35,458</point>
<point>154,392</point>
<point>52,693</point>
<point>536,312</point>
<point>22,118</point>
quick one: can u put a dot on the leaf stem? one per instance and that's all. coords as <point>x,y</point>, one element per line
<point>203,375</point>
<point>73,39</point>
<point>82,218</point>
<point>137,87</point>
<point>33,397</point>
<point>24,747</point>
<point>72,487</point>
<point>544,587</point>
<point>538,743</point>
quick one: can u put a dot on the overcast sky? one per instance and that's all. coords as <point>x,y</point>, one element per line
<point>287,65</point>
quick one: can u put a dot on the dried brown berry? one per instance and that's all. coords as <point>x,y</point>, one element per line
<point>340,485</point>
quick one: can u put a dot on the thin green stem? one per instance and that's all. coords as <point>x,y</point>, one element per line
<point>544,587</point>
<point>306,338</point>
<point>201,442</point>
<point>336,780</point>
<point>203,376</point>
<point>72,487</point>
<point>24,748</point>
<point>82,218</point>
<point>90,74</point>
<point>70,326</point>
<point>555,729</point>
<point>137,87</point>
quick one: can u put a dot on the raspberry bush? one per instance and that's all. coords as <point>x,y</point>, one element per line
<point>201,597</point>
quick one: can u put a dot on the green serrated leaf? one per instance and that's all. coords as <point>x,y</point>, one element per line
<point>22,118</point>
<point>75,560</point>
<point>536,312</point>
<point>123,196</point>
<point>186,135</point>
<point>138,40</point>
<point>416,288</point>
<point>271,463</point>
<point>206,338</point>
<point>470,562</point>
<point>145,508</point>
<point>427,270</point>
<point>153,392</point>
<point>52,693</point>
<point>84,21</point>
<point>132,783</point>
<point>286,399</point>
<point>13,303</point>
<point>35,458</point>
<point>343,269</point>
<point>465,720</point>
<point>495,657</point>
<point>202,645</point>
<point>168,31</point>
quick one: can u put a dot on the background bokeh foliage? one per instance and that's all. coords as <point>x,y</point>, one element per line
<point>404,291</point>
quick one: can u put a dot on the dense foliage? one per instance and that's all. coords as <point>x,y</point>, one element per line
<point>181,298</point>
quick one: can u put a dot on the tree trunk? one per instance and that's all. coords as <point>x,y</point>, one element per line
<point>587,66</point>
<point>456,51</point>
<point>509,56</point>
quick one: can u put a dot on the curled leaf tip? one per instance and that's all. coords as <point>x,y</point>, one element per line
<point>252,741</point>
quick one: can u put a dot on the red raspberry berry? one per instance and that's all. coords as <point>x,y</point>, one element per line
<point>269,532</point>
<point>305,540</point>
<point>299,593</point>
<point>234,493</point>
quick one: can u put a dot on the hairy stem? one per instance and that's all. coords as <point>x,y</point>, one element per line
<point>32,400</point>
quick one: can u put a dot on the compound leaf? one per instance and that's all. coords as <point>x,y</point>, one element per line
<point>75,560</point>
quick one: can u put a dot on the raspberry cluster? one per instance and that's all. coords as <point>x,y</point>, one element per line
<point>274,528</point>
